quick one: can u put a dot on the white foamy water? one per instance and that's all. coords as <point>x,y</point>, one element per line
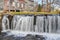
<point>49,24</point>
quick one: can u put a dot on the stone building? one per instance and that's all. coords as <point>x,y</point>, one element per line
<point>21,5</point>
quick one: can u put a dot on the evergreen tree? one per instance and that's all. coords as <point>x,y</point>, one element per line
<point>39,8</point>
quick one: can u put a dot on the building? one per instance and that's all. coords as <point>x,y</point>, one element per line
<point>21,5</point>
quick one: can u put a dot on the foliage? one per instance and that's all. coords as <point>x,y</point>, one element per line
<point>39,8</point>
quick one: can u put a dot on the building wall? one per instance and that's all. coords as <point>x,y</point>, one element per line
<point>1,1</point>
<point>22,5</point>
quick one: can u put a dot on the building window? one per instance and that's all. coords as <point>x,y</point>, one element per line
<point>22,5</point>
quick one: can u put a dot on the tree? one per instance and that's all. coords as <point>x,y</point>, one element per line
<point>39,8</point>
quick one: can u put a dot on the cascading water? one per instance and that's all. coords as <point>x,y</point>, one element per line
<point>39,24</point>
<point>50,18</point>
<point>5,23</point>
<point>45,24</point>
<point>22,23</point>
<point>58,27</point>
<point>48,23</point>
<point>52,23</point>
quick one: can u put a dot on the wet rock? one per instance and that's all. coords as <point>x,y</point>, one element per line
<point>30,37</point>
<point>39,37</point>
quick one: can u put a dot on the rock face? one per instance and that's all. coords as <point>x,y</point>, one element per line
<point>34,37</point>
<point>10,36</point>
<point>5,36</point>
<point>0,24</point>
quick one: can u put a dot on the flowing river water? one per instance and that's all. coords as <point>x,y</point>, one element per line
<point>25,23</point>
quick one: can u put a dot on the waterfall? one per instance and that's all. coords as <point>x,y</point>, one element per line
<point>47,24</point>
<point>5,23</point>
<point>54,23</point>
<point>39,24</point>
<point>50,18</point>
<point>23,23</point>
<point>58,30</point>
